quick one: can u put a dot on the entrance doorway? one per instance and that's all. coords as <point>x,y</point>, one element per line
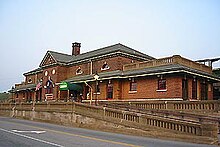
<point>204,91</point>
<point>109,90</point>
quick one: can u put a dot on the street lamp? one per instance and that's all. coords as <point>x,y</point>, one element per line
<point>96,77</point>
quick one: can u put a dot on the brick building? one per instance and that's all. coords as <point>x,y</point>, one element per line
<point>115,72</point>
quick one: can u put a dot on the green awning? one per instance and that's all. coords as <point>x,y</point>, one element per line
<point>70,86</point>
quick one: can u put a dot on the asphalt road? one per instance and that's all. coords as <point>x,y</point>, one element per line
<point>23,133</point>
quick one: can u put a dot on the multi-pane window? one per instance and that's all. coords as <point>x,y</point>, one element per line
<point>162,84</point>
<point>133,85</point>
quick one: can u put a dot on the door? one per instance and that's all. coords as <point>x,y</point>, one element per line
<point>109,91</point>
<point>204,91</point>
<point>194,89</point>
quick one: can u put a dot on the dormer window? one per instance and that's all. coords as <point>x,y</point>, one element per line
<point>29,80</point>
<point>79,71</point>
<point>105,66</point>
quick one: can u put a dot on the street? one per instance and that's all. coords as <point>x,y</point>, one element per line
<point>22,133</point>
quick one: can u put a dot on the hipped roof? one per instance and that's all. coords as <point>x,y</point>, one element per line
<point>165,69</point>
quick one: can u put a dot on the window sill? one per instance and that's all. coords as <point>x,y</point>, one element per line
<point>162,90</point>
<point>79,73</point>
<point>103,69</point>
<point>132,92</point>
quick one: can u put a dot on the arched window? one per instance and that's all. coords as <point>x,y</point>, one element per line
<point>29,80</point>
<point>105,66</point>
<point>79,71</point>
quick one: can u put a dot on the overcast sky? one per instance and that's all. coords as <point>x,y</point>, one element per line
<point>159,28</point>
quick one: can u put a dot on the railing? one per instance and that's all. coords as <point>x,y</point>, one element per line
<point>209,105</point>
<point>172,114</point>
<point>122,117</point>
<point>176,59</point>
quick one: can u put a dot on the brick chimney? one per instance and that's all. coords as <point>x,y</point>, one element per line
<point>76,48</point>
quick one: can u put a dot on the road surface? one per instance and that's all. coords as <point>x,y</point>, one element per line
<point>24,133</point>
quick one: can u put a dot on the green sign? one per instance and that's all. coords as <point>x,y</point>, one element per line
<point>63,86</point>
<point>70,86</point>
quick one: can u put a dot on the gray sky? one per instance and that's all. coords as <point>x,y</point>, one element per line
<point>160,28</point>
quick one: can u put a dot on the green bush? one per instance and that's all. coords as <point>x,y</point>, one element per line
<point>4,96</point>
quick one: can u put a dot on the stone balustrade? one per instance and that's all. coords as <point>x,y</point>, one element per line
<point>121,117</point>
<point>210,105</point>
<point>176,59</point>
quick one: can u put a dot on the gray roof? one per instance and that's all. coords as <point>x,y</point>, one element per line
<point>102,75</point>
<point>69,59</point>
<point>60,57</point>
<point>33,71</point>
<point>25,87</point>
<point>172,68</point>
<point>111,49</point>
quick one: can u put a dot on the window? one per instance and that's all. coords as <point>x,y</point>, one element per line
<point>133,85</point>
<point>105,66</point>
<point>162,84</point>
<point>29,80</point>
<point>53,71</point>
<point>79,71</point>
<point>46,73</point>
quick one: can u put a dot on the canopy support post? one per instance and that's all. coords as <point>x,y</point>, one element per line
<point>68,95</point>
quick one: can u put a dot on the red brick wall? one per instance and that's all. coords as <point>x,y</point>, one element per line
<point>84,67</point>
<point>147,88</point>
<point>115,63</point>
<point>54,78</point>
<point>32,77</point>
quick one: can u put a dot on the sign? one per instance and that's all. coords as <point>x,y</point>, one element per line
<point>64,86</point>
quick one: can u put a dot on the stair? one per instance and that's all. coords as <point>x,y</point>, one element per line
<point>49,97</point>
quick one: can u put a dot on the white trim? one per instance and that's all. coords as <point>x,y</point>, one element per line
<point>79,73</point>
<point>130,91</point>
<point>103,69</point>
<point>123,77</point>
<point>44,59</point>
<point>31,138</point>
<point>201,75</point>
<point>134,100</point>
<point>115,53</point>
<point>162,90</point>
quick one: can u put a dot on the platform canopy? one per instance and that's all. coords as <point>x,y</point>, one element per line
<point>70,86</point>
